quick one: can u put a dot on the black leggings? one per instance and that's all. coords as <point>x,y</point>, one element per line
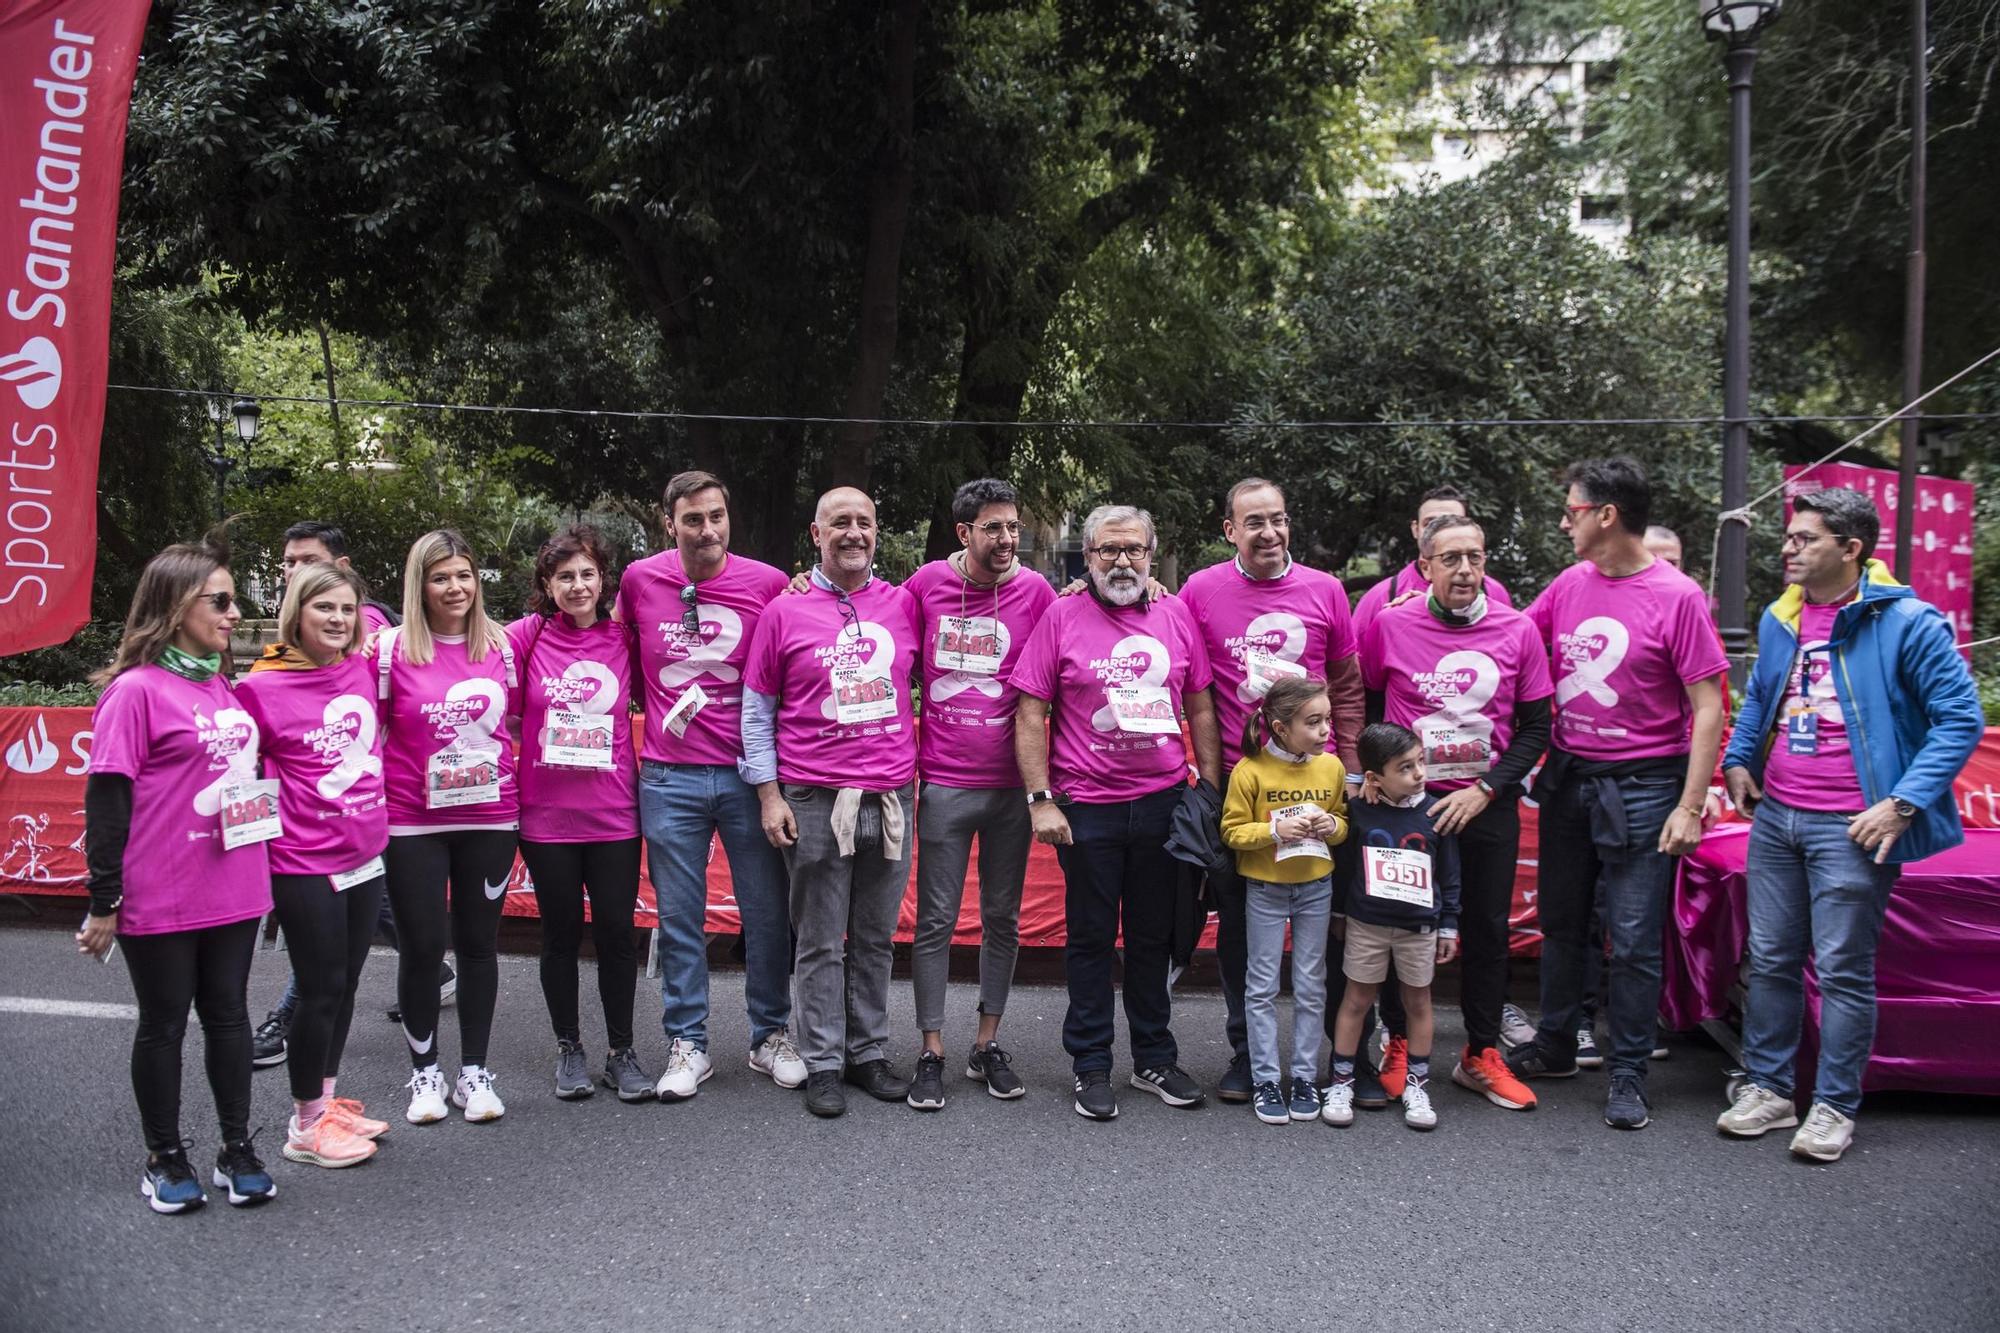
<point>210,969</point>
<point>475,863</point>
<point>562,871</point>
<point>328,936</point>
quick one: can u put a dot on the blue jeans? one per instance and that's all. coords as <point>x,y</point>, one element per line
<point>1267,907</point>
<point>681,808</point>
<point>1810,887</point>
<point>1637,882</point>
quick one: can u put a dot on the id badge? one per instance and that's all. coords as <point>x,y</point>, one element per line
<point>858,698</point>
<point>461,777</point>
<point>361,874</point>
<point>249,812</point>
<point>1147,709</point>
<point>1262,669</point>
<point>693,699</point>
<point>970,644</point>
<point>1398,874</point>
<point>576,740</point>
<point>1801,728</point>
<point>1450,751</point>
<point>1305,846</point>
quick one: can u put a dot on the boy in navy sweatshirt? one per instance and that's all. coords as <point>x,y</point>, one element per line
<point>1401,901</point>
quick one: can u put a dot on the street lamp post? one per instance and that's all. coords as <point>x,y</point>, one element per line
<point>244,413</point>
<point>1736,24</point>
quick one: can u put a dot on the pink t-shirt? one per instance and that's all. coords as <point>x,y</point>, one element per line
<point>842,681</point>
<point>372,619</point>
<point>1456,687</point>
<point>447,737</point>
<point>972,642</point>
<point>673,660</point>
<point>1411,579</point>
<point>1826,778</point>
<point>1114,679</point>
<point>321,741</point>
<point>586,672</point>
<point>1258,630</point>
<point>1623,651</point>
<point>180,743</point>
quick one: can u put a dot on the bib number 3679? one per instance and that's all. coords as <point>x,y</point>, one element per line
<point>461,777</point>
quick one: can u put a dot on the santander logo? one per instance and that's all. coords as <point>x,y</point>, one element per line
<point>34,752</point>
<point>35,372</point>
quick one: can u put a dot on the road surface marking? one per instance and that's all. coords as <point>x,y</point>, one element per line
<point>27,1004</point>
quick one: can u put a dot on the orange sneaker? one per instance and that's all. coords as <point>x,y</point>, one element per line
<point>327,1143</point>
<point>1395,1066</point>
<point>1487,1074</point>
<point>348,1112</point>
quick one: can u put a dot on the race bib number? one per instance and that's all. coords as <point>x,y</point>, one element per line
<point>1262,669</point>
<point>461,777</point>
<point>361,874</point>
<point>1453,751</point>
<point>1142,708</point>
<point>970,644</point>
<point>692,701</point>
<point>858,698</point>
<point>576,740</point>
<point>249,812</point>
<point>1400,874</point>
<point>1304,846</point>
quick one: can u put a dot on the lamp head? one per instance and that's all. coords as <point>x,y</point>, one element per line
<point>246,413</point>
<point>1737,21</point>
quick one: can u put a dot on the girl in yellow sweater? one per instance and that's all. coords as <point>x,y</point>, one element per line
<point>1285,811</point>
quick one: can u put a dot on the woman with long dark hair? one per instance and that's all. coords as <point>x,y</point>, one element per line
<point>177,820</point>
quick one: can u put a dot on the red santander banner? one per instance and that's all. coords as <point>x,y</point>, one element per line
<point>66,69</point>
<point>1941,537</point>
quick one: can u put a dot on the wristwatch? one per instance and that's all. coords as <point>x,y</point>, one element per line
<point>1486,787</point>
<point>1904,808</point>
<point>1037,797</point>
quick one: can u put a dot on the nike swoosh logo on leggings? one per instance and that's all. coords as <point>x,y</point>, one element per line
<point>419,1047</point>
<point>495,890</point>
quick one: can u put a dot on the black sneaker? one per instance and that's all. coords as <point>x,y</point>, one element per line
<point>1234,1085</point>
<point>1588,1055</point>
<point>1268,1099</point>
<point>1170,1084</point>
<point>1625,1105</point>
<point>1537,1061</point>
<point>927,1089</point>
<point>238,1171</point>
<point>879,1079</point>
<point>1369,1094</point>
<point>1094,1098</point>
<point>572,1071</point>
<point>169,1184</point>
<point>447,985</point>
<point>624,1075</point>
<point>267,1044</point>
<point>990,1065</point>
<point>823,1095</point>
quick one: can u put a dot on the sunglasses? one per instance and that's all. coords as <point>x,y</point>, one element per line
<point>690,614</point>
<point>221,601</point>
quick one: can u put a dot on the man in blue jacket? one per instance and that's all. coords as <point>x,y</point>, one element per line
<point>1860,712</point>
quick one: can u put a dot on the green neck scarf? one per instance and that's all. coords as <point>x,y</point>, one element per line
<point>187,665</point>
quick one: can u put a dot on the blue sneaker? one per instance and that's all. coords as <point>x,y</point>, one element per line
<point>1625,1106</point>
<point>238,1171</point>
<point>1369,1094</point>
<point>169,1185</point>
<point>1269,1102</point>
<point>1306,1102</point>
<point>1234,1086</point>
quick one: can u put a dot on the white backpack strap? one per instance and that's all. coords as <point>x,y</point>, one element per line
<point>507,654</point>
<point>385,654</point>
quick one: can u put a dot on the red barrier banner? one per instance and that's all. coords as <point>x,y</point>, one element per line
<point>44,753</point>
<point>66,69</point>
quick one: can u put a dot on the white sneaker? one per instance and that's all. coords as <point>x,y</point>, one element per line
<point>777,1057</point>
<point>1515,1029</point>
<point>1757,1111</point>
<point>1338,1108</point>
<point>1825,1134</point>
<point>1417,1112</point>
<point>688,1068</point>
<point>475,1095</point>
<point>426,1097</point>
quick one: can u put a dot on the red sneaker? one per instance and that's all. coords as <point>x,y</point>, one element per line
<point>1487,1074</point>
<point>1395,1066</point>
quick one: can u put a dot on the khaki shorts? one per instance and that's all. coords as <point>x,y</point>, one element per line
<point>1370,946</point>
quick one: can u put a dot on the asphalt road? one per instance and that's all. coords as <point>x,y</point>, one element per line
<point>738,1210</point>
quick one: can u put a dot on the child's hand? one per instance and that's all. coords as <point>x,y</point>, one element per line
<point>1324,825</point>
<point>1371,789</point>
<point>1295,828</point>
<point>1447,948</point>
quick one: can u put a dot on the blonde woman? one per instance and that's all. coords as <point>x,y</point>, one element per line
<point>176,825</point>
<point>446,681</point>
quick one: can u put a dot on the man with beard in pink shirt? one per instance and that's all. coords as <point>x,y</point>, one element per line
<point>1262,618</point>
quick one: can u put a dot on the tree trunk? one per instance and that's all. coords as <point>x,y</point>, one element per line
<point>888,222</point>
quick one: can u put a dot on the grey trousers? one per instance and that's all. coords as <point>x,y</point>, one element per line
<point>844,916</point>
<point>947,819</point>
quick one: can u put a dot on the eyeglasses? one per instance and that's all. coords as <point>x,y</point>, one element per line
<point>1257,522</point>
<point>221,601</point>
<point>849,617</point>
<point>1134,555</point>
<point>1574,510</point>
<point>1461,559</point>
<point>995,530</point>
<point>690,614</point>
<point>1798,541</point>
